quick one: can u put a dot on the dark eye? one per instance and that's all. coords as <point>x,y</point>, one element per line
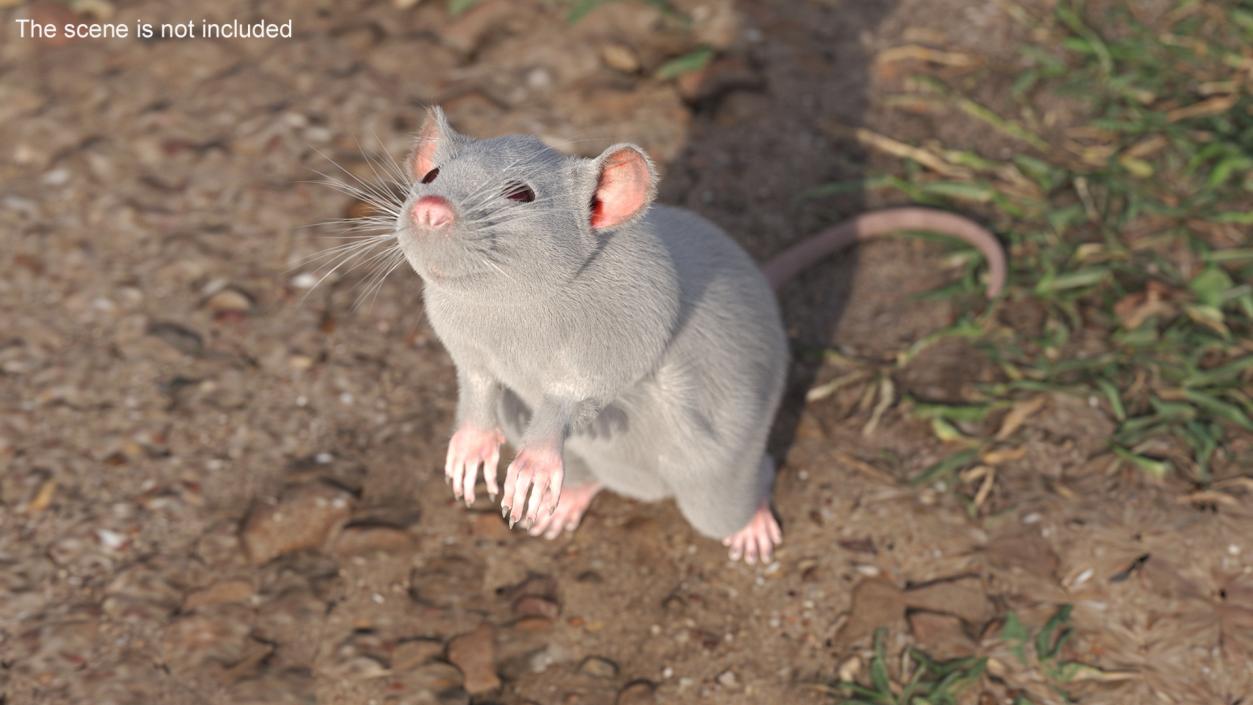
<point>519,192</point>
<point>430,175</point>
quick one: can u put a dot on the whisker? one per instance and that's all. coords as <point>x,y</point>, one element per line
<point>391,208</point>
<point>376,263</point>
<point>374,287</point>
<point>380,223</point>
<point>354,243</point>
<point>328,257</point>
<point>355,254</point>
<point>402,180</point>
<point>499,270</point>
<point>388,186</point>
<point>379,195</point>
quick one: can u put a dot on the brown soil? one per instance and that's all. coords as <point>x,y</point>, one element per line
<point>216,490</point>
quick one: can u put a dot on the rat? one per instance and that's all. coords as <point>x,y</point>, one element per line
<point>615,343</point>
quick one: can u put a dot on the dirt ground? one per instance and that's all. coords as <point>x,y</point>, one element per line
<point>217,487</point>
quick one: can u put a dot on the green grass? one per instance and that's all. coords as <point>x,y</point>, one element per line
<point>1033,661</point>
<point>922,680</point>
<point>1128,227</point>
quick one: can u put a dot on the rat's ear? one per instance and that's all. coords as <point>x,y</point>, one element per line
<point>435,135</point>
<point>626,183</point>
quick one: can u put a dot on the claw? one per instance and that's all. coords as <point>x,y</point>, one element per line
<point>470,448</point>
<point>757,540</point>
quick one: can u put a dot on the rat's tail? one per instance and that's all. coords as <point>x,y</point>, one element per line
<point>787,264</point>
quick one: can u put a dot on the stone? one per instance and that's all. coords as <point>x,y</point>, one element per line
<point>620,57</point>
<point>276,687</point>
<point>446,581</point>
<point>1025,550</point>
<point>365,540</point>
<point>721,76</point>
<point>220,593</point>
<point>532,624</point>
<point>229,299</point>
<point>638,692</point>
<point>535,606</point>
<point>193,640</point>
<point>875,603</point>
<point>304,518</point>
<point>181,338</point>
<point>415,652</point>
<point>358,668</point>
<point>489,525</point>
<point>963,597</point>
<point>941,635</point>
<point>467,32</point>
<point>598,667</point>
<point>474,654</point>
<point>432,683</point>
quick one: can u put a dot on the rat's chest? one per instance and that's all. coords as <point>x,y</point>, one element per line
<point>525,351</point>
<point>589,351</point>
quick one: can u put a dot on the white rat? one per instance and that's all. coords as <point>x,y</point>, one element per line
<point>615,345</point>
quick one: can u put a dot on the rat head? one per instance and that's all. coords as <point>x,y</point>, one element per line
<point>509,218</point>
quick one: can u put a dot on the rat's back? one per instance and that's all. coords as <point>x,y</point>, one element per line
<point>700,420</point>
<point>730,331</point>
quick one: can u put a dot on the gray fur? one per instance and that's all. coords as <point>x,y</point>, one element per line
<point>655,349</point>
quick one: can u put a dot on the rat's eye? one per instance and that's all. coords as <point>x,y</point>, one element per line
<point>516,191</point>
<point>430,175</point>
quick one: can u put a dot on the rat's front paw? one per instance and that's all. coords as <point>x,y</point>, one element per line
<point>538,469</point>
<point>469,448</point>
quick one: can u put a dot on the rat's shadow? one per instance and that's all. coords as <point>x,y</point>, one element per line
<point>757,144</point>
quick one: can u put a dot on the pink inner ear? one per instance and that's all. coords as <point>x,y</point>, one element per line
<point>622,190</point>
<point>424,152</point>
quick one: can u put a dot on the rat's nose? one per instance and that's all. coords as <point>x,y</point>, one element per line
<point>432,212</point>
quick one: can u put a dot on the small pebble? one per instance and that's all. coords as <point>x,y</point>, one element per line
<point>620,57</point>
<point>598,667</point>
<point>637,692</point>
<point>304,280</point>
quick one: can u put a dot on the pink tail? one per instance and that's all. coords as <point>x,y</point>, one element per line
<point>787,264</point>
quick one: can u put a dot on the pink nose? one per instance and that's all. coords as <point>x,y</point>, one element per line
<point>432,212</point>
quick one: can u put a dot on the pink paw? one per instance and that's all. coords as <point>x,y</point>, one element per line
<point>757,539</point>
<point>469,448</point>
<point>570,509</point>
<point>539,470</point>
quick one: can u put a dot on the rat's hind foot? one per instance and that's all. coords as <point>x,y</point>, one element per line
<point>757,539</point>
<point>570,509</point>
<point>469,448</point>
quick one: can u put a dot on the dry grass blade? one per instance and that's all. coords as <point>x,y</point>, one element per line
<point>863,467</point>
<point>887,145</point>
<point>825,390</point>
<point>1018,415</point>
<point>914,52</point>
<point>887,395</point>
<point>1000,456</point>
<point>1209,106</point>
